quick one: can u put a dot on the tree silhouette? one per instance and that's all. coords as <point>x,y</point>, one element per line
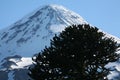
<point>80,52</point>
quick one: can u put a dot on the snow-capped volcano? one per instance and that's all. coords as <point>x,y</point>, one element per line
<point>28,36</point>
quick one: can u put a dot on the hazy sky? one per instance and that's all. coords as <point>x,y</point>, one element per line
<point>104,14</point>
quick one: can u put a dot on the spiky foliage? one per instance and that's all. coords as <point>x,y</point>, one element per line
<point>80,52</point>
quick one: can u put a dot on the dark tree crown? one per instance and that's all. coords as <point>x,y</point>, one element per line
<point>80,52</point>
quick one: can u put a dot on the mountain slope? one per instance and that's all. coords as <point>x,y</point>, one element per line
<point>36,30</point>
<point>28,36</point>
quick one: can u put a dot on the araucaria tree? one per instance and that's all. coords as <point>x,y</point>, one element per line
<point>80,52</point>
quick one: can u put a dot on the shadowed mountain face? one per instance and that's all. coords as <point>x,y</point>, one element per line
<point>28,36</point>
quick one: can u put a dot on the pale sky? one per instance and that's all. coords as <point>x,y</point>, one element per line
<point>104,14</point>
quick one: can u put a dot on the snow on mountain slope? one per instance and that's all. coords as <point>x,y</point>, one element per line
<point>28,36</point>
